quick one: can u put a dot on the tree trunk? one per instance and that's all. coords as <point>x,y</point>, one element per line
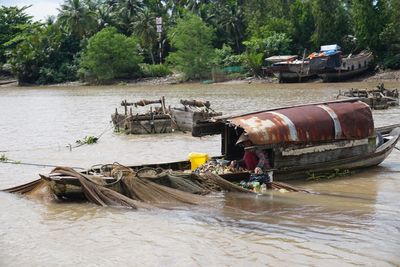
<point>152,56</point>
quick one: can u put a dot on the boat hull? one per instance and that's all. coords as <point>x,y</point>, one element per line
<point>293,77</point>
<point>341,75</point>
<point>69,187</point>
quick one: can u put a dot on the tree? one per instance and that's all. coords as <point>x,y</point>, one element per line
<point>76,18</point>
<point>390,36</point>
<point>13,21</point>
<point>110,55</point>
<point>331,22</point>
<point>228,18</point>
<point>368,23</point>
<point>268,44</point>
<point>43,54</point>
<point>145,29</point>
<point>125,13</point>
<point>303,24</point>
<point>192,39</point>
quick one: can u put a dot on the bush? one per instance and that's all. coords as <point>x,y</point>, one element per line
<point>52,74</point>
<point>392,62</point>
<point>157,70</point>
<point>192,39</point>
<point>224,57</point>
<point>110,55</point>
<point>254,62</point>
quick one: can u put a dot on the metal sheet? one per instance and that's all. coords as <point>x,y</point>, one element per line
<point>306,124</point>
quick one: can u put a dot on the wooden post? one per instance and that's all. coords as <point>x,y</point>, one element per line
<point>163,104</point>
<point>125,107</point>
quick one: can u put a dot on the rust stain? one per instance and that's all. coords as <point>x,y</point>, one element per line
<point>308,123</point>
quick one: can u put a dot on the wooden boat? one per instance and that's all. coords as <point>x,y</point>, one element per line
<point>308,139</point>
<point>162,119</point>
<point>156,120</point>
<point>290,69</point>
<point>331,66</point>
<point>300,141</point>
<point>192,112</point>
<point>379,98</point>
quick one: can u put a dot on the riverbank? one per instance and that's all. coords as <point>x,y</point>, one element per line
<point>392,76</point>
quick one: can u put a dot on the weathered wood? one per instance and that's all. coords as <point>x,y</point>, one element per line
<point>387,129</point>
<point>150,126</point>
<point>379,98</point>
<point>145,117</point>
<point>186,120</point>
<point>195,103</point>
<point>145,102</point>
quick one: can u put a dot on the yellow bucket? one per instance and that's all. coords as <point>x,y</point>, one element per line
<point>197,159</point>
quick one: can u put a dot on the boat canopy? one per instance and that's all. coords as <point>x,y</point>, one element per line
<point>276,59</point>
<point>325,48</point>
<point>308,123</point>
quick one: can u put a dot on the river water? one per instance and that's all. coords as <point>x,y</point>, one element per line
<point>353,221</point>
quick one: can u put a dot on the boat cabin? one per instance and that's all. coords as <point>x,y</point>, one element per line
<point>301,135</point>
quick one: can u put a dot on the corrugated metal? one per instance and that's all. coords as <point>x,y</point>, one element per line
<point>306,124</point>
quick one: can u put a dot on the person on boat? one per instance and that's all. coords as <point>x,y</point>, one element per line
<point>253,160</point>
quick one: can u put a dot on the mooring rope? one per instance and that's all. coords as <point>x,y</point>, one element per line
<point>10,161</point>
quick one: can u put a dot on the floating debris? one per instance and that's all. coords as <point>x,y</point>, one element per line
<point>88,140</point>
<point>379,98</point>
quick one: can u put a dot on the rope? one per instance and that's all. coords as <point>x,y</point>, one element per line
<point>58,147</point>
<point>10,161</point>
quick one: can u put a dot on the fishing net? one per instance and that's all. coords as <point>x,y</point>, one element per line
<point>98,193</point>
<point>145,188</point>
<point>25,188</point>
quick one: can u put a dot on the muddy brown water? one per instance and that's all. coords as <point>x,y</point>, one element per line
<point>353,221</point>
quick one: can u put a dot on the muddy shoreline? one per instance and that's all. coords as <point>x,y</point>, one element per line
<point>391,76</point>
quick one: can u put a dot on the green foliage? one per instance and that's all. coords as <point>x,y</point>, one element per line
<point>157,70</point>
<point>145,29</point>
<point>192,39</point>
<point>390,37</point>
<point>13,21</point>
<point>224,57</point>
<point>302,22</point>
<point>254,61</point>
<point>367,23</point>
<point>30,50</point>
<point>110,55</point>
<point>43,55</point>
<point>3,158</point>
<point>51,52</point>
<point>76,18</point>
<point>88,140</point>
<point>227,17</point>
<point>331,20</point>
<point>270,43</point>
<point>277,44</point>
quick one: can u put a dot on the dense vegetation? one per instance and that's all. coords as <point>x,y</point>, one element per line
<point>103,40</point>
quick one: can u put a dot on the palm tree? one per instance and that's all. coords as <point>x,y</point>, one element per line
<point>104,16</point>
<point>126,11</point>
<point>230,22</point>
<point>76,18</point>
<point>144,27</point>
